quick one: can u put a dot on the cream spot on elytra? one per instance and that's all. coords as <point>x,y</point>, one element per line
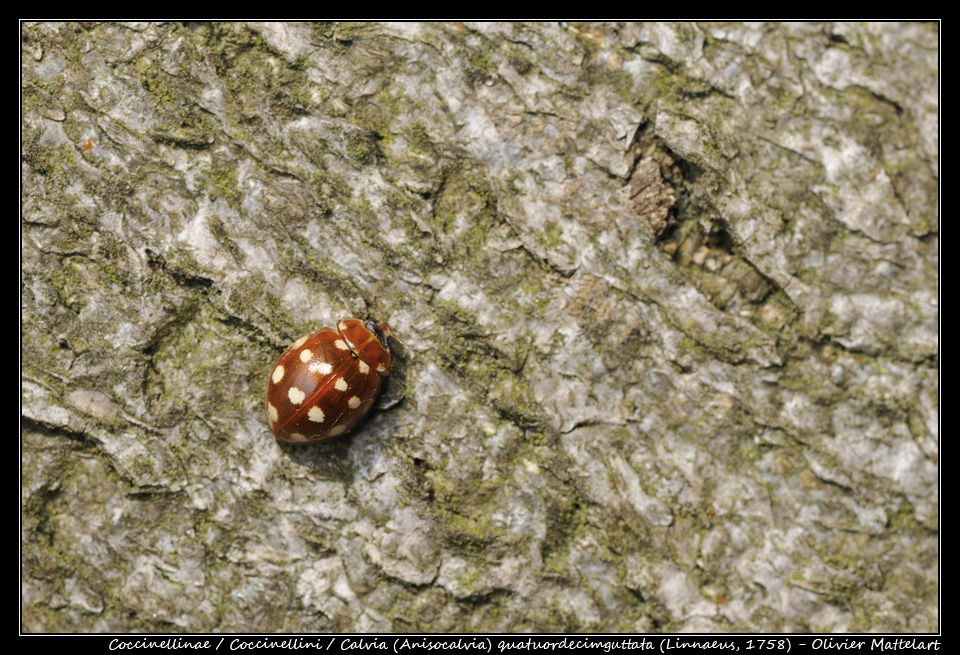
<point>340,384</point>
<point>278,374</point>
<point>337,431</point>
<point>323,368</point>
<point>363,367</point>
<point>295,395</point>
<point>305,355</point>
<point>296,436</point>
<point>339,343</point>
<point>272,413</point>
<point>354,402</point>
<point>316,414</point>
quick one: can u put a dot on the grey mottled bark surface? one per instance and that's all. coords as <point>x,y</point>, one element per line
<point>668,295</point>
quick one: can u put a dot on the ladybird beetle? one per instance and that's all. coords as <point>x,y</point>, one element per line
<point>325,382</point>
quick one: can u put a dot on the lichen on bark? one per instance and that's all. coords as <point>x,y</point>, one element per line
<point>668,301</point>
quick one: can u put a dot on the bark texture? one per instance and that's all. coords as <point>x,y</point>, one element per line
<point>667,295</point>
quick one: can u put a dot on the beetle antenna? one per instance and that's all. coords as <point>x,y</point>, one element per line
<point>384,326</point>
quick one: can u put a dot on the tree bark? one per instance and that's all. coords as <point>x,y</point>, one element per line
<point>667,296</point>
